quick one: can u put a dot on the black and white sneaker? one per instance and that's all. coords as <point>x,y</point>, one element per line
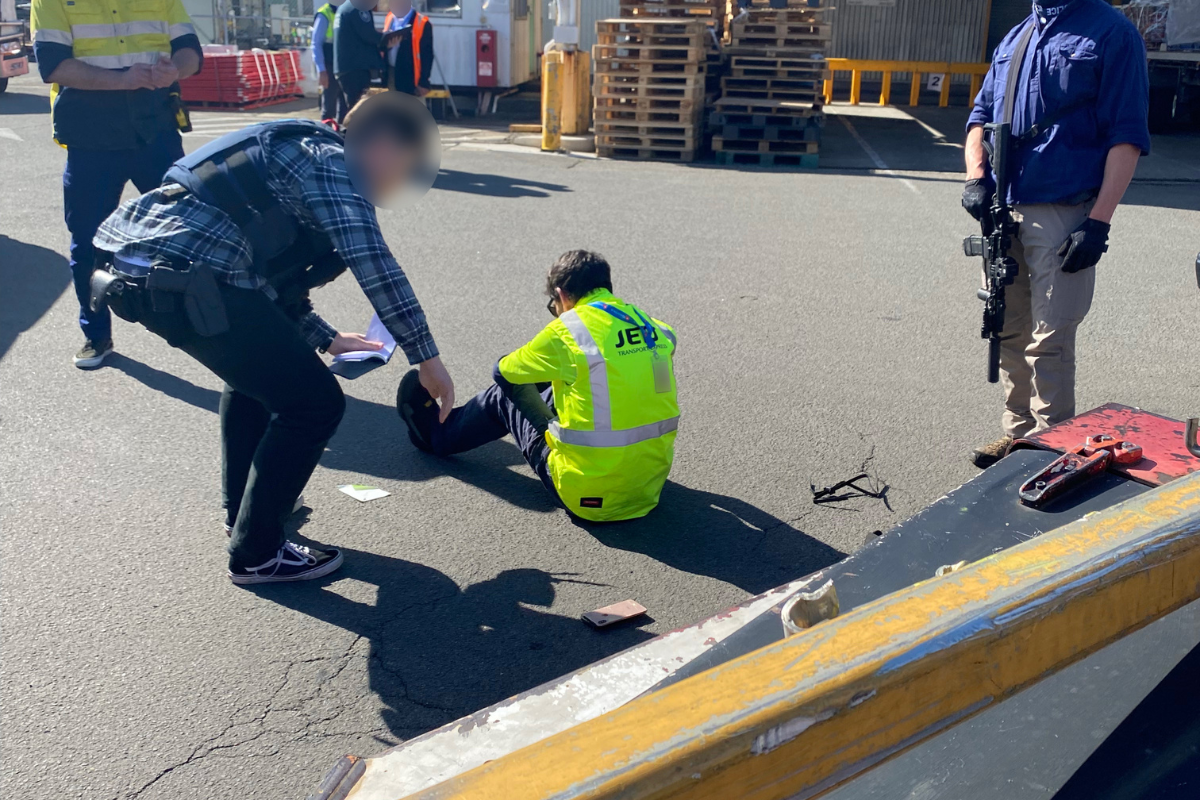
<point>92,354</point>
<point>299,504</point>
<point>418,409</point>
<point>293,562</point>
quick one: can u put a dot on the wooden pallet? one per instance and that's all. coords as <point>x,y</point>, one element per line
<point>751,105</point>
<point>813,119</point>
<point>633,66</point>
<point>676,9</point>
<point>765,51</point>
<point>650,104</point>
<point>646,142</point>
<point>761,67</point>
<point>723,145</point>
<point>760,16</point>
<point>808,85</point>
<point>603,52</point>
<point>688,87</point>
<point>623,114</point>
<point>645,153</point>
<point>796,160</point>
<point>608,128</point>
<point>769,133</point>
<point>780,30</point>
<point>816,43</point>
<point>793,94</point>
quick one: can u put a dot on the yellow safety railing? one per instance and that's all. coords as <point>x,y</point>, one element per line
<point>820,707</point>
<point>857,66</point>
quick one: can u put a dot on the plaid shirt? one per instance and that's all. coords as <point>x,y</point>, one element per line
<point>309,178</point>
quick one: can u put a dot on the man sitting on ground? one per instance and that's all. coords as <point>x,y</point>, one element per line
<point>610,366</point>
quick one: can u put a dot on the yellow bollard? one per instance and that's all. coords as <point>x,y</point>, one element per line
<point>914,91</point>
<point>944,97</point>
<point>551,101</point>
<point>885,91</point>
<point>828,89</point>
<point>855,86</point>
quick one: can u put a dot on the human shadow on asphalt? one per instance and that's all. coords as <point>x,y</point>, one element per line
<point>438,651</point>
<point>372,441</point>
<point>704,533</point>
<point>451,180</point>
<point>23,103</point>
<point>33,279</point>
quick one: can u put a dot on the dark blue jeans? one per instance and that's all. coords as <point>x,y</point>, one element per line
<point>92,184</point>
<point>488,416</point>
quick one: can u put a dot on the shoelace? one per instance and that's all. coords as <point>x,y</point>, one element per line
<point>303,554</point>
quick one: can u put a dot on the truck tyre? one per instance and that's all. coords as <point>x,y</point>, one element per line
<point>1162,108</point>
<point>3,84</point>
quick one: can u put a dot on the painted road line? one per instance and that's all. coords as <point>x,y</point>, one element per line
<point>874,156</point>
<point>9,133</point>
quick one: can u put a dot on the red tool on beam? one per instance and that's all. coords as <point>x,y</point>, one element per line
<point>1075,467</point>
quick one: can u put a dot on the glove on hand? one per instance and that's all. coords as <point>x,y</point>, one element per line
<point>977,196</point>
<point>1083,248</point>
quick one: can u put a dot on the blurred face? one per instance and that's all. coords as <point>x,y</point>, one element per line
<point>387,165</point>
<point>400,7</point>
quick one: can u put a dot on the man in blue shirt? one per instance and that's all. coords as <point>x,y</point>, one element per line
<point>1079,127</point>
<point>333,102</point>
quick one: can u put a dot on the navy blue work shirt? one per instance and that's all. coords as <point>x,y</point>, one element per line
<point>357,45</point>
<point>1090,58</point>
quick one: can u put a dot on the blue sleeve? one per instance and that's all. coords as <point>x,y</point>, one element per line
<point>981,114</point>
<point>319,29</point>
<point>1123,101</point>
<point>49,55</point>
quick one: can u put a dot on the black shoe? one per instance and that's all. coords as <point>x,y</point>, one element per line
<point>93,354</point>
<point>983,457</point>
<point>293,562</point>
<point>418,409</point>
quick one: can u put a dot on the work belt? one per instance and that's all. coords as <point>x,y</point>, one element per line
<point>165,287</point>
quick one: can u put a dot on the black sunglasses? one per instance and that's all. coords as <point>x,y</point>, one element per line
<point>550,307</point>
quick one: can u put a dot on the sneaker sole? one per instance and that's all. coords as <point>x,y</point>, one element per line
<point>318,572</point>
<point>92,363</point>
<point>405,410</point>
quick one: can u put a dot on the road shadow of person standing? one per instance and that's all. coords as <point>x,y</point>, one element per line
<point>439,652</point>
<point>33,279</point>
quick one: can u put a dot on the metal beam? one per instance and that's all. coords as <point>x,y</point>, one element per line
<point>803,715</point>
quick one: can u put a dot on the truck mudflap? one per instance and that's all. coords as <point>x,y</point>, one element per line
<point>981,518</point>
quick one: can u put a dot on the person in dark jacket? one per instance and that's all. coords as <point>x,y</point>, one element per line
<point>358,48</point>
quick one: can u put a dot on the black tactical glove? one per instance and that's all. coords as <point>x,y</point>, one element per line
<point>1084,246</point>
<point>977,196</point>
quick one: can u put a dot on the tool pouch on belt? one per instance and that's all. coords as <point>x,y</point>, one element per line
<point>196,287</point>
<point>109,290</point>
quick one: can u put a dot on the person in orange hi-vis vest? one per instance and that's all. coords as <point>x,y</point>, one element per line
<point>411,58</point>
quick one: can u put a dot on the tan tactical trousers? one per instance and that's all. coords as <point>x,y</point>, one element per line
<point>1044,308</point>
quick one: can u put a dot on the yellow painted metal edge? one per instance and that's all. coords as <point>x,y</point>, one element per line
<point>802,715</point>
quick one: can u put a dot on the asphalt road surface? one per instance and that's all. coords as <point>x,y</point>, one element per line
<point>828,326</point>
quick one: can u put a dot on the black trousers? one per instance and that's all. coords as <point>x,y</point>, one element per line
<point>354,85</point>
<point>333,102</point>
<point>488,416</point>
<point>280,407</point>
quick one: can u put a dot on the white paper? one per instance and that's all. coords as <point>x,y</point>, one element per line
<point>376,332</point>
<point>363,493</point>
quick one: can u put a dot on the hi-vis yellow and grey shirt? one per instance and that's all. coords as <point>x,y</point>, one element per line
<point>110,34</point>
<point>612,369</point>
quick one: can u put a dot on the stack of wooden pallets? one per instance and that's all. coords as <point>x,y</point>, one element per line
<point>769,112</point>
<point>649,87</point>
<point>711,12</point>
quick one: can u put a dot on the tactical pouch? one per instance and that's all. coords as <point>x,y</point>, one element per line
<point>196,287</point>
<point>111,291</point>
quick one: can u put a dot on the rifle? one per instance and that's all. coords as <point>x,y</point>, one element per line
<point>998,230</point>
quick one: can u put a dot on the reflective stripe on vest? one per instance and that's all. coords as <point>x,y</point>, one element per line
<point>622,438</point>
<point>329,12</point>
<point>602,434</point>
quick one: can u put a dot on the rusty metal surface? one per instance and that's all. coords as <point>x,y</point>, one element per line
<point>1164,453</point>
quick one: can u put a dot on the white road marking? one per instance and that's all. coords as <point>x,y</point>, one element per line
<point>874,156</point>
<point>9,133</point>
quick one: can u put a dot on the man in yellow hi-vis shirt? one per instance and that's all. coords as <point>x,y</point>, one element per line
<point>115,66</point>
<point>607,453</point>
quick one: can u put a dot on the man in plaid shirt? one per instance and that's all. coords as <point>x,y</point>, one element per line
<point>281,405</point>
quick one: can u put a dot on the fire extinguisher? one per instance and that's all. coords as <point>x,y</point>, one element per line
<point>485,57</point>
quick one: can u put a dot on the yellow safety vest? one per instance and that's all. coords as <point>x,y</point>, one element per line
<point>111,34</point>
<point>329,12</point>
<point>613,442</point>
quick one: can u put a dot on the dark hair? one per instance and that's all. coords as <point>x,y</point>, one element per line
<point>377,114</point>
<point>578,272</point>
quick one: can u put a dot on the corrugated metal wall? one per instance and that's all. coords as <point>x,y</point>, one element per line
<point>910,30</point>
<point>589,12</point>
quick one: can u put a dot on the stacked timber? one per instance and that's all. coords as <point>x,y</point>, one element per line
<point>769,112</point>
<point>649,87</point>
<point>710,12</point>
